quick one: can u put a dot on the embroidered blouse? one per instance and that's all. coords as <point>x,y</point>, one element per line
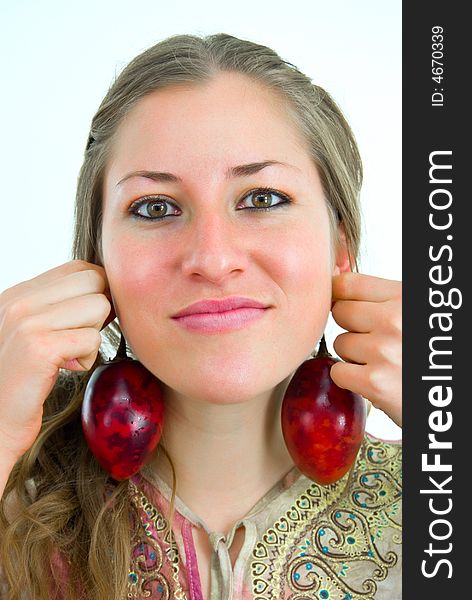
<point>302,540</point>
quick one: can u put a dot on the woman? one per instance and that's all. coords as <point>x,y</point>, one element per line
<point>214,169</point>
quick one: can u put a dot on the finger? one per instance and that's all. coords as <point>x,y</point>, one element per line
<point>66,268</point>
<point>72,365</point>
<point>380,389</point>
<point>354,347</point>
<point>351,377</point>
<point>357,286</point>
<point>74,285</point>
<point>78,348</point>
<point>83,311</point>
<point>53,275</point>
<point>379,351</point>
<point>358,316</point>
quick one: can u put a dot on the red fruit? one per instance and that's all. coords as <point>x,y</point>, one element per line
<point>122,415</point>
<point>323,425</point>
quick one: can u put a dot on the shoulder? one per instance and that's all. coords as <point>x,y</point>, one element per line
<point>377,451</point>
<point>342,540</point>
<point>375,482</point>
<point>381,458</point>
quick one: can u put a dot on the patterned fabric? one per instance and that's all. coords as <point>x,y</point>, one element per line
<point>302,540</point>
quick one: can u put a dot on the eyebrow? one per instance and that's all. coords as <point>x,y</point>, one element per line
<point>239,171</point>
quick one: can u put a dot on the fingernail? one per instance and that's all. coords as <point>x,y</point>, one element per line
<point>72,365</point>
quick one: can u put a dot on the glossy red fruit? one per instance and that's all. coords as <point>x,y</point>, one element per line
<point>122,415</point>
<point>323,425</point>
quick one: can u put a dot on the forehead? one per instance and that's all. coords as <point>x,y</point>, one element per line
<point>230,118</point>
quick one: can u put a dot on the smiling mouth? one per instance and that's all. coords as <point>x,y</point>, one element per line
<point>219,322</point>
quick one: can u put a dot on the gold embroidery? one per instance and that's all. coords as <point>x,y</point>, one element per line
<point>147,556</point>
<point>334,542</point>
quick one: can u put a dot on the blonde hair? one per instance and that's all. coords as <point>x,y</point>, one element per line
<point>67,510</point>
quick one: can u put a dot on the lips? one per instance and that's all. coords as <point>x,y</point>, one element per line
<point>219,305</point>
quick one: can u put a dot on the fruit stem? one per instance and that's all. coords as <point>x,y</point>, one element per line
<point>121,353</point>
<point>322,349</point>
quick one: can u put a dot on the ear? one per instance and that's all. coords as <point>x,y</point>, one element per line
<point>342,263</point>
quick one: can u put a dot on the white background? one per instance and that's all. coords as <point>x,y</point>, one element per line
<point>59,58</point>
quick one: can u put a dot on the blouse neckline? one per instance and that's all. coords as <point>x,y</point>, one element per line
<point>284,485</point>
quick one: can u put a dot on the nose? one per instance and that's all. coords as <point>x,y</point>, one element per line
<point>214,248</point>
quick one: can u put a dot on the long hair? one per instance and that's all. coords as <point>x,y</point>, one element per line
<point>64,500</point>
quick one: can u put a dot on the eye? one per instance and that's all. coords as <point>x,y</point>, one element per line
<point>152,208</point>
<point>262,199</point>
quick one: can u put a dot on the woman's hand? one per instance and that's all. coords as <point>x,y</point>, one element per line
<point>370,309</point>
<point>49,322</point>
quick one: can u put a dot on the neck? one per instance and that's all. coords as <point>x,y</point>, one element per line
<point>226,456</point>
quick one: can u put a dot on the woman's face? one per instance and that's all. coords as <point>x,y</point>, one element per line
<point>209,244</point>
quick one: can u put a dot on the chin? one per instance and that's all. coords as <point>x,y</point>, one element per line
<point>231,385</point>
<point>220,390</point>
<point>221,372</point>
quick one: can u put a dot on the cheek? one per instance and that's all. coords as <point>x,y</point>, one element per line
<point>135,273</point>
<point>304,269</point>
